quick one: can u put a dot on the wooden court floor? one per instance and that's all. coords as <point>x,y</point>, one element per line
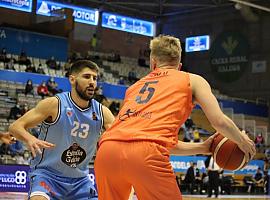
<point>227,197</point>
<point>22,196</point>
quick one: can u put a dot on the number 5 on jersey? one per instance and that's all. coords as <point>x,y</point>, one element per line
<point>146,89</point>
<point>76,132</point>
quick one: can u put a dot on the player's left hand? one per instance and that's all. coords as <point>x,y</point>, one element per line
<point>7,138</point>
<point>207,144</point>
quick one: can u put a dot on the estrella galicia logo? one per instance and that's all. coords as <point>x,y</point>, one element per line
<point>73,156</point>
<point>126,115</point>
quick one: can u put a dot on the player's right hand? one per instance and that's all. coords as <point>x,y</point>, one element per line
<point>7,138</point>
<point>35,145</point>
<point>247,146</point>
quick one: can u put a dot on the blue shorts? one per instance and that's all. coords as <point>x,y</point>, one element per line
<point>59,188</point>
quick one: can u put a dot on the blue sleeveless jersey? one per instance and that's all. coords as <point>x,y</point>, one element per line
<point>75,132</point>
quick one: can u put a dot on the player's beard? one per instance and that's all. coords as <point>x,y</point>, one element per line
<point>83,93</point>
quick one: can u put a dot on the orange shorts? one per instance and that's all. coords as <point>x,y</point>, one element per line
<point>144,165</point>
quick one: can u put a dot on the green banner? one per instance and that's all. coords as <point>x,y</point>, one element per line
<point>229,56</point>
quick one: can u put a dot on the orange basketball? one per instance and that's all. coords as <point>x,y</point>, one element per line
<point>227,154</point>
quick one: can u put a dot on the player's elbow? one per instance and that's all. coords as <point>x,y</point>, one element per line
<point>12,128</point>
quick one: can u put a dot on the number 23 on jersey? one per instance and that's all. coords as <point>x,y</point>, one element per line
<point>80,130</point>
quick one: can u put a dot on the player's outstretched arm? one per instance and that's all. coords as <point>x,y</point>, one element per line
<point>108,117</point>
<point>188,148</point>
<point>45,109</point>
<point>203,95</point>
<point>7,138</point>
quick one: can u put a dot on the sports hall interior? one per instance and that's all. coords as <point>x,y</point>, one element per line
<point>38,45</point>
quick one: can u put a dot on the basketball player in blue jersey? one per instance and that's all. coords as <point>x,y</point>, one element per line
<point>71,124</point>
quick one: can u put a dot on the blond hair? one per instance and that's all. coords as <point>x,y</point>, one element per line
<point>166,49</point>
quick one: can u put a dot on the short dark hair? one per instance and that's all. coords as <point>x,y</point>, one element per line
<point>79,65</point>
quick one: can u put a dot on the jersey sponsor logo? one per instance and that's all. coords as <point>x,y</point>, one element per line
<point>94,116</point>
<point>69,112</point>
<point>73,156</point>
<point>129,113</point>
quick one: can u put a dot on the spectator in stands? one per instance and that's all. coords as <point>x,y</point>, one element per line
<point>259,141</point>
<point>266,165</point>
<point>79,56</point>
<point>251,182</point>
<point>114,108</point>
<point>4,149</point>
<point>121,81</point>
<point>23,60</point>
<point>3,52</point>
<point>266,180</point>
<point>40,69</point>
<point>52,87</point>
<point>93,42</point>
<point>196,135</point>
<point>3,55</point>
<point>15,112</point>
<point>29,89</point>
<point>132,76</point>
<point>189,123</point>
<point>198,178</point>
<point>187,134</point>
<point>190,177</point>
<point>67,65</point>
<point>51,63</point>
<point>141,59</point>
<point>147,52</point>
<point>267,153</point>
<point>30,69</point>
<point>25,109</point>
<point>99,96</point>
<point>74,56</point>
<point>258,177</point>
<point>117,57</point>
<point>67,74</point>
<point>42,90</point>
<point>226,183</point>
<point>16,148</point>
<point>101,78</point>
<point>114,57</point>
<point>10,65</point>
<point>24,159</point>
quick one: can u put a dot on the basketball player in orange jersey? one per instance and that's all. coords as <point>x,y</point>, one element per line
<point>135,150</point>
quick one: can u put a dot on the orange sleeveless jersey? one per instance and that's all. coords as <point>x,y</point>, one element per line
<point>154,109</point>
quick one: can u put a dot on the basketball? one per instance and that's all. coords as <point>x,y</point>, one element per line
<point>227,154</point>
